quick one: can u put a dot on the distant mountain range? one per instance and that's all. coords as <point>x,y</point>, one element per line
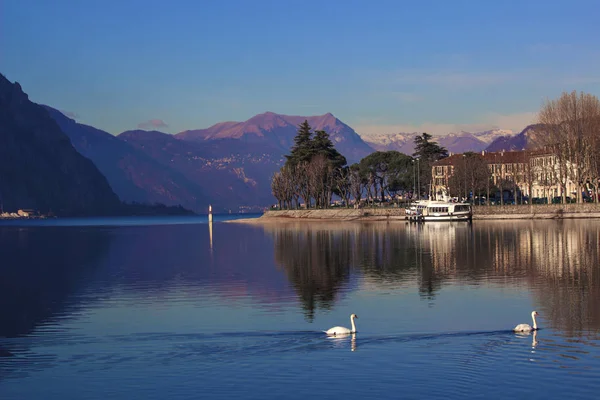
<point>454,142</point>
<point>228,165</point>
<point>133,175</point>
<point>277,132</point>
<point>525,140</point>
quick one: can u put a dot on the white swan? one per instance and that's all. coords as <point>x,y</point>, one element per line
<point>527,327</point>
<point>340,330</point>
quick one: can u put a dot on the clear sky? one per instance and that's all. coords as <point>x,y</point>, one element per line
<point>379,66</point>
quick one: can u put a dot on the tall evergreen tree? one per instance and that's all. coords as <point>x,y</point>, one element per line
<point>427,153</point>
<point>302,150</point>
<point>323,145</point>
<point>425,149</point>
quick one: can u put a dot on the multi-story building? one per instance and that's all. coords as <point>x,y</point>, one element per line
<point>532,173</point>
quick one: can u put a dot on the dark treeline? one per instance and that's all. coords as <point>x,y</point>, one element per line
<point>315,171</point>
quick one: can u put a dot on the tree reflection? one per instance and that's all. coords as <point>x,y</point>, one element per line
<point>557,260</point>
<point>318,258</point>
<point>316,261</point>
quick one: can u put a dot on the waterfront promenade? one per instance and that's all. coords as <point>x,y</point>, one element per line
<point>534,211</point>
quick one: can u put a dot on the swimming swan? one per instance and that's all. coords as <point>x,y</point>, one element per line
<point>527,327</point>
<point>340,330</point>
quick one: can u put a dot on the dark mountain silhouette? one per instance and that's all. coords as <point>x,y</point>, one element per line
<point>236,174</point>
<point>525,140</point>
<point>133,174</point>
<point>277,131</point>
<point>39,167</point>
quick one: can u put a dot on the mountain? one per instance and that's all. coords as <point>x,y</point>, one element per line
<point>132,174</point>
<point>233,162</point>
<point>39,167</point>
<point>491,135</point>
<point>461,142</point>
<point>235,174</point>
<point>277,132</point>
<point>453,142</point>
<point>402,142</point>
<point>522,141</point>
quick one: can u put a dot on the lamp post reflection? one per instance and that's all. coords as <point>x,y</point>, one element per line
<point>210,236</point>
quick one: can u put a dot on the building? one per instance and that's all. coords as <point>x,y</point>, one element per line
<point>530,173</point>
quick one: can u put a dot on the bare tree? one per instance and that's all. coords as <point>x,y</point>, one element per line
<point>570,127</point>
<point>470,174</point>
<point>357,183</point>
<point>277,188</point>
<point>317,172</point>
<point>341,182</point>
<point>289,188</point>
<point>301,178</point>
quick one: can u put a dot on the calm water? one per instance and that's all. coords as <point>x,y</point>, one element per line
<point>146,308</point>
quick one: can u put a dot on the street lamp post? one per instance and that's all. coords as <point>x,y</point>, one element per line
<point>465,168</point>
<point>418,181</point>
<point>414,178</point>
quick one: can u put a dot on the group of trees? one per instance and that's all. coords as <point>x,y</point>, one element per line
<point>314,171</point>
<point>569,129</point>
<point>567,139</point>
<point>565,148</point>
<point>474,175</point>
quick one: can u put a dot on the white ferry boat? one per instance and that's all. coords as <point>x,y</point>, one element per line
<point>438,210</point>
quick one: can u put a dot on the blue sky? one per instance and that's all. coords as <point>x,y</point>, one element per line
<point>380,66</point>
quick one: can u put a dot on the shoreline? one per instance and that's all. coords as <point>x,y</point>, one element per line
<point>480,213</point>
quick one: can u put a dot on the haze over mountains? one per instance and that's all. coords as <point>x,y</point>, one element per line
<point>228,165</point>
<point>454,142</point>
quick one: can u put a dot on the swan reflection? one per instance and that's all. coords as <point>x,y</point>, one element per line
<point>534,341</point>
<point>533,334</point>
<point>341,341</point>
<point>321,260</point>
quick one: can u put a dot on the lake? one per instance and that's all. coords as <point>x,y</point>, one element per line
<point>177,308</point>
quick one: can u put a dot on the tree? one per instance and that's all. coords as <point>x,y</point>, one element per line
<point>470,175</point>
<point>322,145</point>
<point>312,166</point>
<point>358,181</point>
<point>342,186</point>
<point>302,150</point>
<point>277,188</point>
<point>427,152</point>
<point>319,175</point>
<point>570,127</point>
<point>384,168</point>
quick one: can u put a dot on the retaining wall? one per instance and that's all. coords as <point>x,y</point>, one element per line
<point>534,211</point>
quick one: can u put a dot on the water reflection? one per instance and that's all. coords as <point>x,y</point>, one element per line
<point>342,341</point>
<point>210,235</point>
<point>532,334</point>
<point>316,261</point>
<point>41,269</point>
<point>557,260</point>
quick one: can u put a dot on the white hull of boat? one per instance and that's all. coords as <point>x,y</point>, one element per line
<point>435,210</point>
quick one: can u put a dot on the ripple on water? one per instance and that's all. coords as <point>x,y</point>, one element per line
<point>465,362</point>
